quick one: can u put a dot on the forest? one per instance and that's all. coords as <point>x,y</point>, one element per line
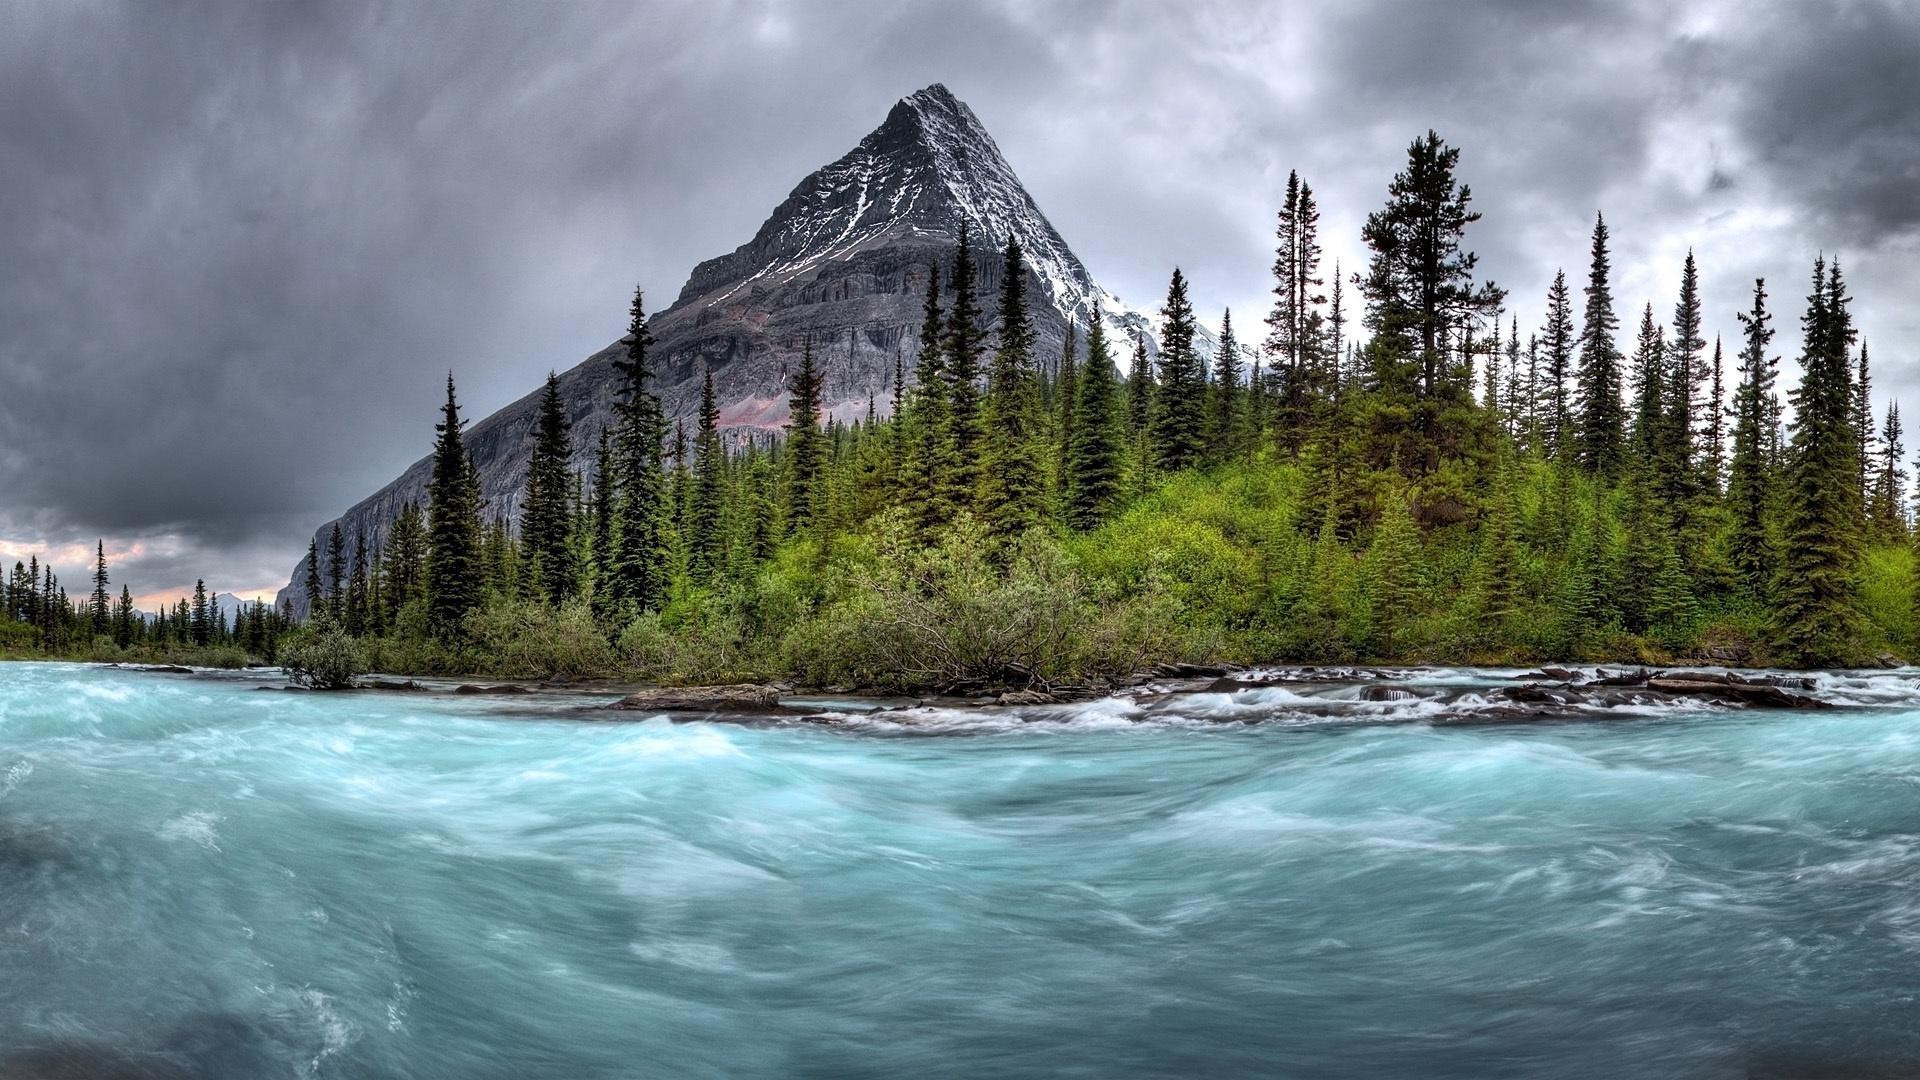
<point>1431,485</point>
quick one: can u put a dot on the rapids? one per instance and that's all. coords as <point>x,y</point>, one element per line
<point>201,880</point>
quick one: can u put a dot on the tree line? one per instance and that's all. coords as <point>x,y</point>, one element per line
<point>1555,493</point>
<point>37,614</point>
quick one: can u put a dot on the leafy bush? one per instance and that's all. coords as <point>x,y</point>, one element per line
<point>524,640</point>
<point>323,656</point>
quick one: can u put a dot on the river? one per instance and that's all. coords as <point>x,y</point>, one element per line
<point>201,879</point>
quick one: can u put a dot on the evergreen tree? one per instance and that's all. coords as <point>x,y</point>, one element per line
<point>1418,283</point>
<point>98,611</point>
<point>404,562</point>
<point>453,525</point>
<point>1886,505</point>
<point>1863,416</point>
<point>1750,494</point>
<point>1010,477</point>
<point>1093,455</point>
<point>200,625</point>
<point>1814,595</point>
<point>605,489</point>
<point>1292,326</point>
<point>1716,431</point>
<point>123,620</point>
<point>1603,422</point>
<point>337,574</point>
<point>639,576</point>
<point>358,620</point>
<point>1557,429</point>
<point>1068,390</point>
<point>704,542</point>
<point>806,449</point>
<point>1396,573</point>
<point>1224,408</point>
<point>1180,403</point>
<point>960,473</point>
<point>928,421</point>
<point>315,593</point>
<point>1686,374</point>
<point>545,519</point>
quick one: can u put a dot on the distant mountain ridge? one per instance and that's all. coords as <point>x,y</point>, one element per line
<point>842,263</point>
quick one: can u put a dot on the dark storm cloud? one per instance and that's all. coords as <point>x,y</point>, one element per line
<point>240,243</point>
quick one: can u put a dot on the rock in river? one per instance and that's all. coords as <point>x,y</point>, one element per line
<point>739,697</point>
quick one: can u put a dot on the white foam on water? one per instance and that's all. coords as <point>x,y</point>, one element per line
<point>200,827</point>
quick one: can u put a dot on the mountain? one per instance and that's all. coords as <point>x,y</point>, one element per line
<point>842,262</point>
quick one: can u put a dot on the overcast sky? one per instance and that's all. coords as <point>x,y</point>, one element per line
<point>241,243</point>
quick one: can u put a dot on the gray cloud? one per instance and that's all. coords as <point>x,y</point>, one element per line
<point>239,245</point>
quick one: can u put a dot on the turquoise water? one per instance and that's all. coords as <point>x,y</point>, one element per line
<point>198,879</point>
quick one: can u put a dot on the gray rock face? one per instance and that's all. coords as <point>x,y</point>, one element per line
<point>841,263</point>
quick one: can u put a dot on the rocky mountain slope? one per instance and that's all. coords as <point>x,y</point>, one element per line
<point>842,263</point>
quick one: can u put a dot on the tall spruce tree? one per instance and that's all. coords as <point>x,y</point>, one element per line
<point>546,518</point>
<point>806,447</point>
<point>453,525</point>
<point>960,472</point>
<point>704,550</point>
<point>1179,413</point>
<point>337,574</point>
<point>1887,499</point>
<point>928,421</point>
<point>99,612</point>
<point>1815,618</point>
<point>1750,479</point>
<point>1224,397</point>
<point>1010,476</point>
<point>641,555</point>
<point>1603,421</point>
<point>1093,455</point>
<point>1292,325</point>
<point>1419,282</point>
<point>312,588</point>
<point>1556,428</point>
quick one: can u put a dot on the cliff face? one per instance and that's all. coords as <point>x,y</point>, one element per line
<point>842,262</point>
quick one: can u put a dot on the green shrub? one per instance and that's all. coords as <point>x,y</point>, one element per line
<point>322,656</point>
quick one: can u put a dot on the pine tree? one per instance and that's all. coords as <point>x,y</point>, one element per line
<point>640,561</point>
<point>453,525</point>
<point>123,619</point>
<point>337,574</point>
<point>1750,484</point>
<point>605,491</point>
<point>1557,431</point>
<point>1093,455</point>
<point>1010,478</point>
<point>1863,416</point>
<point>928,422</point>
<point>1814,595</point>
<point>1886,507</point>
<point>544,517</point>
<point>960,472</point>
<point>98,612</point>
<point>1603,421</point>
<point>806,449</point>
<point>1069,394</point>
<point>1180,402</point>
<point>1419,282</point>
<point>1396,573</point>
<point>1292,326</point>
<point>1224,408</point>
<point>357,618</point>
<point>1683,387</point>
<point>404,562</point>
<point>1716,430</point>
<point>315,593</point>
<point>704,541</point>
<point>200,624</point>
